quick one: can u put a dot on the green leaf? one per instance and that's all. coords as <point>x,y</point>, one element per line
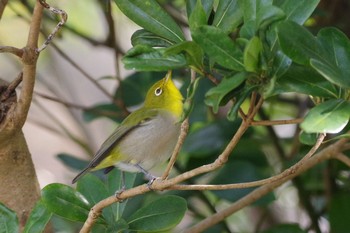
<point>38,219</point>
<point>242,95</point>
<point>150,16</point>
<point>144,58</point>
<point>301,79</point>
<point>328,117</point>
<point>285,228</point>
<point>8,220</point>
<point>148,38</point>
<point>250,8</point>
<point>207,6</point>
<point>189,101</point>
<point>198,16</point>
<point>159,215</point>
<point>193,52</point>
<point>334,64</point>
<point>297,11</point>
<point>72,161</point>
<point>228,15</point>
<point>308,138</point>
<point>297,42</point>
<point>198,145</point>
<point>94,191</point>
<point>219,47</point>
<point>268,14</point>
<point>64,201</point>
<point>115,184</point>
<point>214,96</point>
<point>108,110</point>
<point>339,213</point>
<point>252,54</point>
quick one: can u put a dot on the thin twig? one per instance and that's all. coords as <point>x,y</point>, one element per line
<point>180,141</point>
<point>326,153</point>
<point>277,122</point>
<point>63,20</point>
<point>285,173</point>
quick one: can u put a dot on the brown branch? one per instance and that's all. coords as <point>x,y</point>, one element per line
<point>272,179</point>
<point>9,49</point>
<point>327,153</point>
<point>3,4</point>
<point>277,122</point>
<point>29,59</point>
<point>180,141</point>
<point>343,158</point>
<point>11,88</point>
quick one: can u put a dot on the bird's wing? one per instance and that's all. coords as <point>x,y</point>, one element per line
<point>134,120</point>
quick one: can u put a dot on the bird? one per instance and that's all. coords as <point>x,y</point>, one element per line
<point>146,137</point>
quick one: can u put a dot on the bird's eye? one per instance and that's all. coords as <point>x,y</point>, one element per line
<point>158,91</point>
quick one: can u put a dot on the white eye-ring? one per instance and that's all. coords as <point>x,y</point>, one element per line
<point>158,91</point>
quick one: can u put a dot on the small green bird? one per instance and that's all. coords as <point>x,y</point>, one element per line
<point>146,137</point>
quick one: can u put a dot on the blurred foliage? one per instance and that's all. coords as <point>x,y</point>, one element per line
<point>246,46</point>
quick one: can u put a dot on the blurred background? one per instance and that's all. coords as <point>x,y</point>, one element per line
<point>82,68</point>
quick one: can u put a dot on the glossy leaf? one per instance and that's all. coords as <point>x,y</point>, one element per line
<point>207,6</point>
<point>297,11</point>
<point>8,220</point>
<point>199,145</point>
<point>64,201</point>
<point>38,219</point>
<point>301,79</point>
<point>298,43</point>
<point>252,54</point>
<point>334,64</point>
<point>193,52</point>
<point>144,58</point>
<point>268,14</point>
<point>94,191</point>
<point>242,95</point>
<point>148,38</point>
<point>328,117</point>
<point>115,184</point>
<point>198,16</point>
<point>250,8</point>
<point>219,47</point>
<point>150,16</point>
<point>308,138</point>
<point>228,15</point>
<point>215,95</point>
<point>160,215</point>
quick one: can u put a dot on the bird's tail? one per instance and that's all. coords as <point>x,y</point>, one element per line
<point>82,173</point>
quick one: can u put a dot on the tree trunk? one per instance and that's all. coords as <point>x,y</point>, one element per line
<point>19,187</point>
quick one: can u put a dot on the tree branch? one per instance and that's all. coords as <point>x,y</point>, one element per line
<point>29,59</point>
<point>327,153</point>
<point>277,122</point>
<point>343,158</point>
<point>272,179</point>
<point>9,49</point>
<point>3,4</point>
